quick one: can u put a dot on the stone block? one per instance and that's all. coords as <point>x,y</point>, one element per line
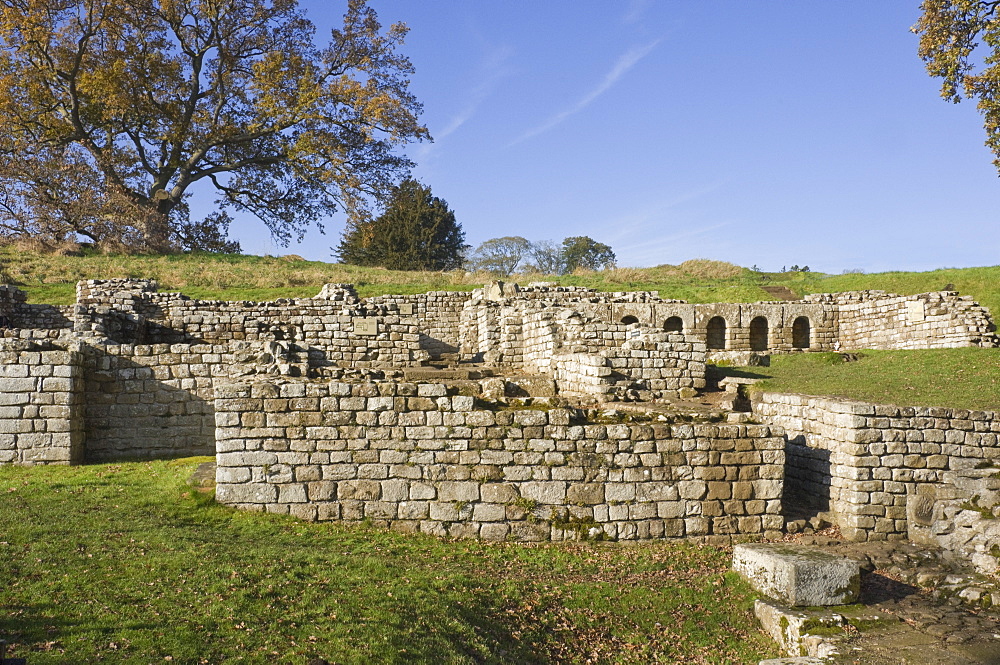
<point>585,493</point>
<point>798,575</point>
<point>551,492</point>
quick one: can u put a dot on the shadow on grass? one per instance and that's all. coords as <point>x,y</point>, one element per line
<point>30,629</point>
<point>480,633</point>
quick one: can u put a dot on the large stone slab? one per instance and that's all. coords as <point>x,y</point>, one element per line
<point>797,575</point>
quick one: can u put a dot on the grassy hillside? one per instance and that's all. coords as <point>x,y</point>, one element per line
<point>124,563</point>
<point>967,378</point>
<point>51,279</point>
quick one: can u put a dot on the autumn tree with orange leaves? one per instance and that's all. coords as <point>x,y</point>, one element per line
<point>960,44</point>
<point>113,111</point>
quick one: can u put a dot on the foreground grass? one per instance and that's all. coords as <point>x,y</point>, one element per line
<point>966,378</point>
<point>125,564</point>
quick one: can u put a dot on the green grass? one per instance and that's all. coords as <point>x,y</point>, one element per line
<point>966,378</point>
<point>51,279</point>
<point>126,564</point>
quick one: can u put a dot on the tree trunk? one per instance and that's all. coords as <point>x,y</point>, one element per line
<point>156,228</point>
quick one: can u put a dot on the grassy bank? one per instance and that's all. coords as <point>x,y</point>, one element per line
<point>966,378</point>
<point>51,279</point>
<point>126,564</point>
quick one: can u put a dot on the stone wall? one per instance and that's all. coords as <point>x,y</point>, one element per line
<point>585,356</point>
<point>151,401</point>
<point>880,320</point>
<point>437,315</point>
<point>40,395</point>
<point>961,515</point>
<point>73,402</point>
<point>650,364</point>
<point>333,328</point>
<point>415,458</point>
<point>863,462</point>
<point>22,320</point>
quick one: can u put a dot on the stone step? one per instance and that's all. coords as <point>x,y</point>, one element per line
<point>445,373</point>
<point>798,575</point>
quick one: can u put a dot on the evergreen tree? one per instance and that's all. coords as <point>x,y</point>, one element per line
<point>417,231</point>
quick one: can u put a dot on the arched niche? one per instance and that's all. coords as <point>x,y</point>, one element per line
<point>716,337</point>
<point>674,324</point>
<point>800,332</point>
<point>758,334</point>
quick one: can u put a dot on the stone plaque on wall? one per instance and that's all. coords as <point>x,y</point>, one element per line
<point>406,309</point>
<point>915,310</point>
<point>366,326</point>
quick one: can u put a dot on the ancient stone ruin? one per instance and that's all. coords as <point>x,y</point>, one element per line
<point>509,413</point>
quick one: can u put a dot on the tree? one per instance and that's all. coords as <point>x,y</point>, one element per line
<point>950,31</point>
<point>547,258</point>
<point>417,231</point>
<point>585,252</point>
<point>500,255</point>
<point>112,110</point>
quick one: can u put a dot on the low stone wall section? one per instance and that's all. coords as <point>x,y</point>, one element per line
<point>437,315</point>
<point>77,402</point>
<point>151,401</point>
<point>880,320</point>
<point>414,458</point>
<point>961,515</point>
<point>334,327</point>
<point>863,462</point>
<point>657,363</point>
<point>31,321</point>
<point>40,407</point>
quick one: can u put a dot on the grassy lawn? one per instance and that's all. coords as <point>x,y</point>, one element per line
<point>125,563</point>
<point>966,378</point>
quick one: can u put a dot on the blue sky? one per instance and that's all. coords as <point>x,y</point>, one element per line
<point>767,133</point>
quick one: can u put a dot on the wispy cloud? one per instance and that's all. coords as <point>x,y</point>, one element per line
<point>639,221</point>
<point>626,62</point>
<point>489,74</point>
<point>667,248</point>
<point>642,236</point>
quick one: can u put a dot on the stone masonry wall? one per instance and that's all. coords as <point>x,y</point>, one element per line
<point>329,326</point>
<point>40,419</point>
<point>29,321</point>
<point>151,401</point>
<point>866,461</point>
<point>880,320</point>
<point>651,361</point>
<point>414,458</point>
<point>437,314</point>
<point>960,515</point>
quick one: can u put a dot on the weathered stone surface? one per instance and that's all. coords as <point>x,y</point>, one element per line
<point>798,575</point>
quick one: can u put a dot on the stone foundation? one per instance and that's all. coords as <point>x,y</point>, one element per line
<point>414,458</point>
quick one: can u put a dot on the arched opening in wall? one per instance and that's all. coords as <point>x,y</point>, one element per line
<point>800,332</point>
<point>629,319</point>
<point>758,334</point>
<point>674,324</point>
<point>716,338</point>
